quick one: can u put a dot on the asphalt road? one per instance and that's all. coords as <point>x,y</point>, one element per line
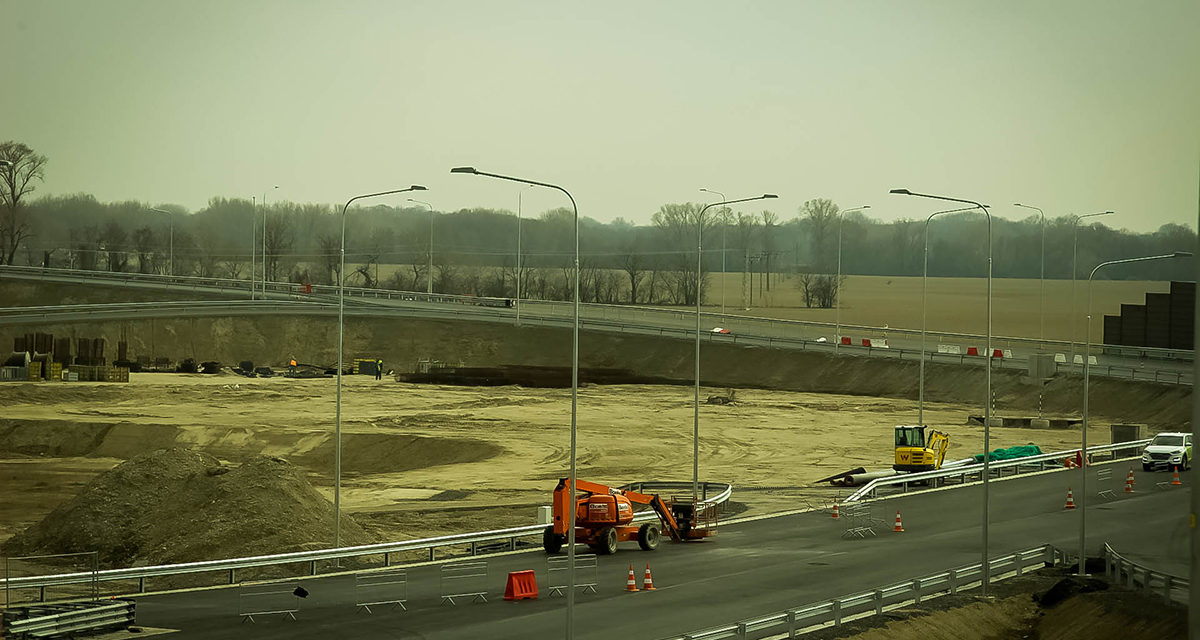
<point>750,568</point>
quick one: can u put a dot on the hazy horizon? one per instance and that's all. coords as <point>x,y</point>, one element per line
<point>1074,106</point>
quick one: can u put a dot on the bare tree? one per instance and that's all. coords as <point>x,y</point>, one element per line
<point>633,264</point>
<point>143,244</point>
<point>328,246</point>
<point>16,182</point>
<point>279,239</point>
<point>113,238</point>
<point>822,217</point>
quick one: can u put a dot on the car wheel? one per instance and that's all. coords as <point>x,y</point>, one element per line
<point>551,542</point>
<point>1146,467</point>
<point>606,541</point>
<point>648,536</point>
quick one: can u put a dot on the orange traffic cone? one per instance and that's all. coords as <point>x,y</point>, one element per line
<point>1129,482</point>
<point>1175,480</point>
<point>899,528</point>
<point>648,581</point>
<point>631,583</point>
<point>1070,499</point>
<point>835,510</point>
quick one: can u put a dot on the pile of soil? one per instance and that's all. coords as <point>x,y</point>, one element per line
<point>180,505</point>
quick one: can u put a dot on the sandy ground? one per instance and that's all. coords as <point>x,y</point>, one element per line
<point>427,460</point>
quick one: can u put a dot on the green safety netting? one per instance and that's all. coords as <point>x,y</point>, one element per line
<point>1011,452</point>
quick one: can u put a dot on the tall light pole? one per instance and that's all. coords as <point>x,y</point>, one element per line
<point>429,274</point>
<point>574,387</point>
<point>987,407</point>
<point>520,193</point>
<point>837,284</point>
<point>696,405</point>
<point>264,244</point>
<point>337,455</point>
<point>924,290</point>
<point>1074,268</point>
<point>1083,468</point>
<point>253,240</point>
<point>724,224</point>
<point>1042,277</point>
<point>172,238</point>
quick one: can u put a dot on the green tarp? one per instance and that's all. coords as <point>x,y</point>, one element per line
<point>1011,452</point>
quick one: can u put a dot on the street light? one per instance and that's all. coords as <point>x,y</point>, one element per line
<point>987,407</point>
<point>1042,277</point>
<point>520,193</point>
<point>1083,451</point>
<point>1074,268</point>
<point>924,289</point>
<point>337,455</point>
<point>429,274</point>
<point>696,406</point>
<point>574,387</point>
<point>264,245</point>
<point>172,238</point>
<point>837,284</point>
<point>724,225</point>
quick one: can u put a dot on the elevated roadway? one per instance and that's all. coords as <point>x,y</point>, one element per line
<point>752,567</point>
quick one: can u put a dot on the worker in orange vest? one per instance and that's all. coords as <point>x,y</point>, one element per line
<point>292,366</point>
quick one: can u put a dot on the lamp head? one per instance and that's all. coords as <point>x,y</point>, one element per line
<point>464,170</point>
<point>1183,254</point>
<point>903,192</point>
<point>417,187</point>
<point>769,195</point>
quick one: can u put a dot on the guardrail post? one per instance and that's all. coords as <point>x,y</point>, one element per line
<point>837,613</point>
<point>1130,571</point>
<point>42,593</point>
<point>431,558</point>
<point>741,631</point>
<point>878,598</point>
<point>916,585</point>
<point>142,584</point>
<point>387,559</point>
<point>233,576</point>
<point>473,548</point>
<point>312,568</point>
<point>953,582</point>
<point>791,625</point>
<point>1167,588</point>
<point>1020,562</point>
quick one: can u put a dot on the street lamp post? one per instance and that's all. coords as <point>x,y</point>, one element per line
<point>253,241</point>
<point>171,241</point>
<point>337,455</point>
<point>724,224</point>
<point>1074,269</point>
<point>924,289</point>
<point>574,387</point>
<point>837,284</point>
<point>520,193</point>
<point>264,244</point>
<point>1086,369</point>
<point>696,406</point>
<point>1042,277</point>
<point>429,274</point>
<point>987,407</point>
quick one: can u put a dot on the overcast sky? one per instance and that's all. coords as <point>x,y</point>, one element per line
<point>1074,106</point>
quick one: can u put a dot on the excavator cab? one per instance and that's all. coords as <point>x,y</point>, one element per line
<point>916,452</point>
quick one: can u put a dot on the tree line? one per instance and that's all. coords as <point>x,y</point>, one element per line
<point>473,251</point>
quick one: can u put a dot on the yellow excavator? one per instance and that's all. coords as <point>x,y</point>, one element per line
<point>916,452</point>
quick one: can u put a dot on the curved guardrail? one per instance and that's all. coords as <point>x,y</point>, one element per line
<point>1123,571</point>
<point>713,493</point>
<point>837,611</point>
<point>1016,466</point>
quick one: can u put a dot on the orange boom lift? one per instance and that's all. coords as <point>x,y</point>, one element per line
<point>604,517</point>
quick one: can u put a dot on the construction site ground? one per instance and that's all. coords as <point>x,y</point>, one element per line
<point>421,460</point>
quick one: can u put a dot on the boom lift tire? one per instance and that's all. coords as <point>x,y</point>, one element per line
<point>606,541</point>
<point>552,542</point>
<point>648,536</point>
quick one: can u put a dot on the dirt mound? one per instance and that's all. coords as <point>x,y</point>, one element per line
<point>178,505</point>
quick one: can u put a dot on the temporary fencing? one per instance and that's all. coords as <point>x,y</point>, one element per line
<point>381,588</point>
<point>464,579</point>
<point>557,573</point>
<point>276,598</point>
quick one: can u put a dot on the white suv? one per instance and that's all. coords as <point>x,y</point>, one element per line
<point>1170,450</point>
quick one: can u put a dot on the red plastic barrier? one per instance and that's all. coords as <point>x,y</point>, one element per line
<point>972,351</point>
<point>997,353</point>
<point>521,585</point>
<point>866,342</point>
<point>846,340</point>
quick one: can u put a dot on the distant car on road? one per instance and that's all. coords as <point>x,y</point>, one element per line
<point>1170,450</point>
<point>722,331</point>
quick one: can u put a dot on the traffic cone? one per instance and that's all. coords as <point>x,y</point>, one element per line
<point>1070,499</point>
<point>1129,482</point>
<point>648,581</point>
<point>899,528</point>
<point>631,583</point>
<point>835,510</point>
<point>1175,480</point>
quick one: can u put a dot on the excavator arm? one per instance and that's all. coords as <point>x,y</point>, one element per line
<point>938,443</point>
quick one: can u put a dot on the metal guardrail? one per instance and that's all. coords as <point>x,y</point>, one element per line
<point>1016,466</point>
<point>714,493</point>
<point>837,611</point>
<point>76,619</point>
<point>1135,576</point>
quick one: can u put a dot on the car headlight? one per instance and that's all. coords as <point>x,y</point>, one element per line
<point>1145,456</point>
